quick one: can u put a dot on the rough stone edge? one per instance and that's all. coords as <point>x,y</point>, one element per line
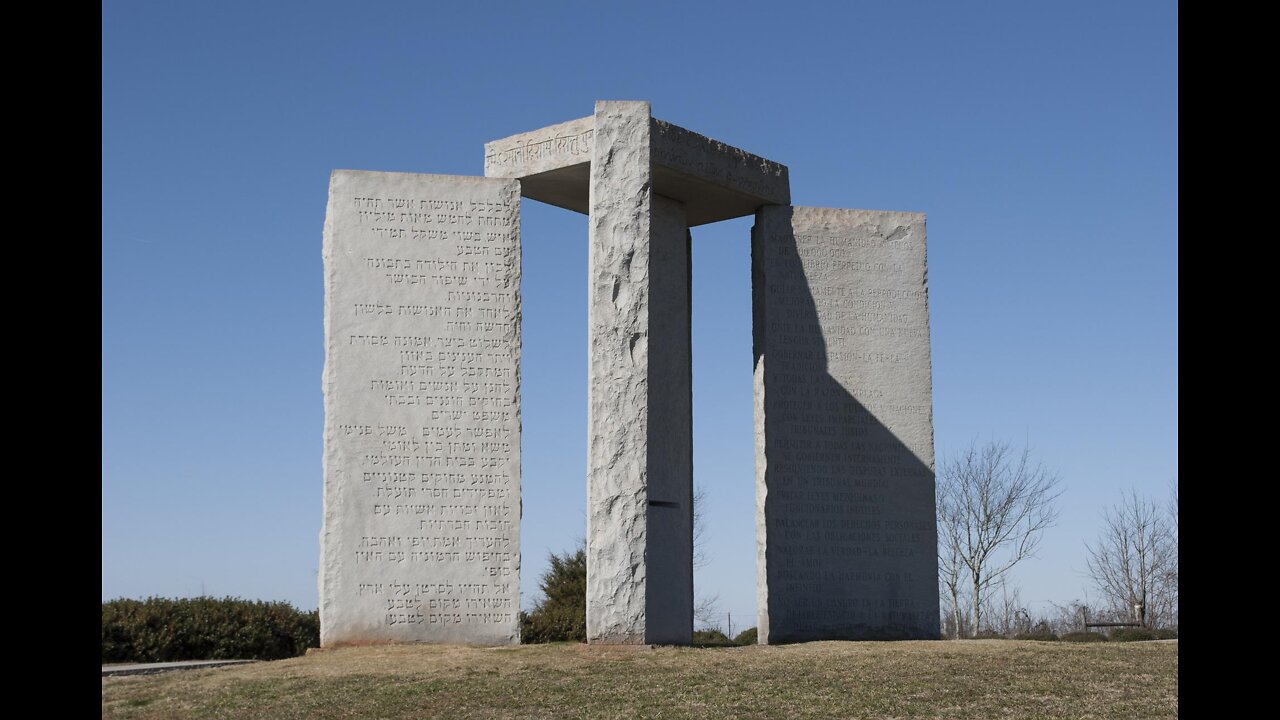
<point>328,506</point>
<point>616,604</point>
<point>738,163</point>
<point>758,345</point>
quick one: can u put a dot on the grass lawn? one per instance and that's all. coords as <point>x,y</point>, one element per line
<point>981,679</point>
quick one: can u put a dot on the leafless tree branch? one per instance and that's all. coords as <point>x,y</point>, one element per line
<point>700,556</point>
<point>1134,561</point>
<point>994,504</point>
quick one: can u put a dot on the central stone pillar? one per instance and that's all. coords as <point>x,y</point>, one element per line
<point>644,182</point>
<point>640,412</point>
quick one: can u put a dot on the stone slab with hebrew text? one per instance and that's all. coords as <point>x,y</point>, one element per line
<point>421,536</point>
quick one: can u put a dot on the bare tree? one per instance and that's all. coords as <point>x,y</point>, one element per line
<point>1009,615</point>
<point>706,608</point>
<point>955,624</point>
<point>1172,582</point>
<point>706,612</point>
<point>951,567</point>
<point>1134,561</point>
<point>1068,618</point>
<point>700,556</point>
<point>993,507</point>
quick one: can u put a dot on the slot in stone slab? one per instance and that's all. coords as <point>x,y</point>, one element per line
<point>669,540</point>
<point>421,536</point>
<point>846,532</point>
<point>639,464</point>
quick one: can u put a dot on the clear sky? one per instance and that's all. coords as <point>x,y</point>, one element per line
<point>1040,138</point>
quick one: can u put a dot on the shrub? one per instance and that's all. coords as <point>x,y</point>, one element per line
<point>989,635</point>
<point>205,628</point>
<point>707,638</point>
<point>1084,636</point>
<point>1043,635</point>
<point>1131,634</point>
<point>747,637</point>
<point>561,614</point>
<point>1166,634</point>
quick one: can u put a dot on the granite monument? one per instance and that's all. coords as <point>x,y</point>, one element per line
<point>422,409</point>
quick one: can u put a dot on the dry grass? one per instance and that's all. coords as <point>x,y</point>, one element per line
<point>966,679</point>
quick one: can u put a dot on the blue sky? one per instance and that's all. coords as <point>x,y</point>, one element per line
<point>1040,138</point>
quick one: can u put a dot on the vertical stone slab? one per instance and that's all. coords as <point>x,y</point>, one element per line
<point>846,528</point>
<point>421,537</point>
<point>639,463</point>
<point>669,549</point>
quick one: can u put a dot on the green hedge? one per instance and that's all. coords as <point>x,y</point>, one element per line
<point>205,628</point>
<point>1083,636</point>
<point>1131,634</point>
<point>750,636</point>
<point>1042,635</point>
<point>711,638</point>
<point>561,614</point>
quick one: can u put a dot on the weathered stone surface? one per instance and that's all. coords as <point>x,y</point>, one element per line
<point>713,180</point>
<point>669,550</point>
<point>550,148</point>
<point>643,182</point>
<point>846,535</point>
<point>639,465</point>
<point>421,537</point>
<point>553,163</point>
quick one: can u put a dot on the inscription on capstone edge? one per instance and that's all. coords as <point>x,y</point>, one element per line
<point>421,538</point>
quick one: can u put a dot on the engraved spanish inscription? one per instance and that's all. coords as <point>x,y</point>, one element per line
<point>845,487</point>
